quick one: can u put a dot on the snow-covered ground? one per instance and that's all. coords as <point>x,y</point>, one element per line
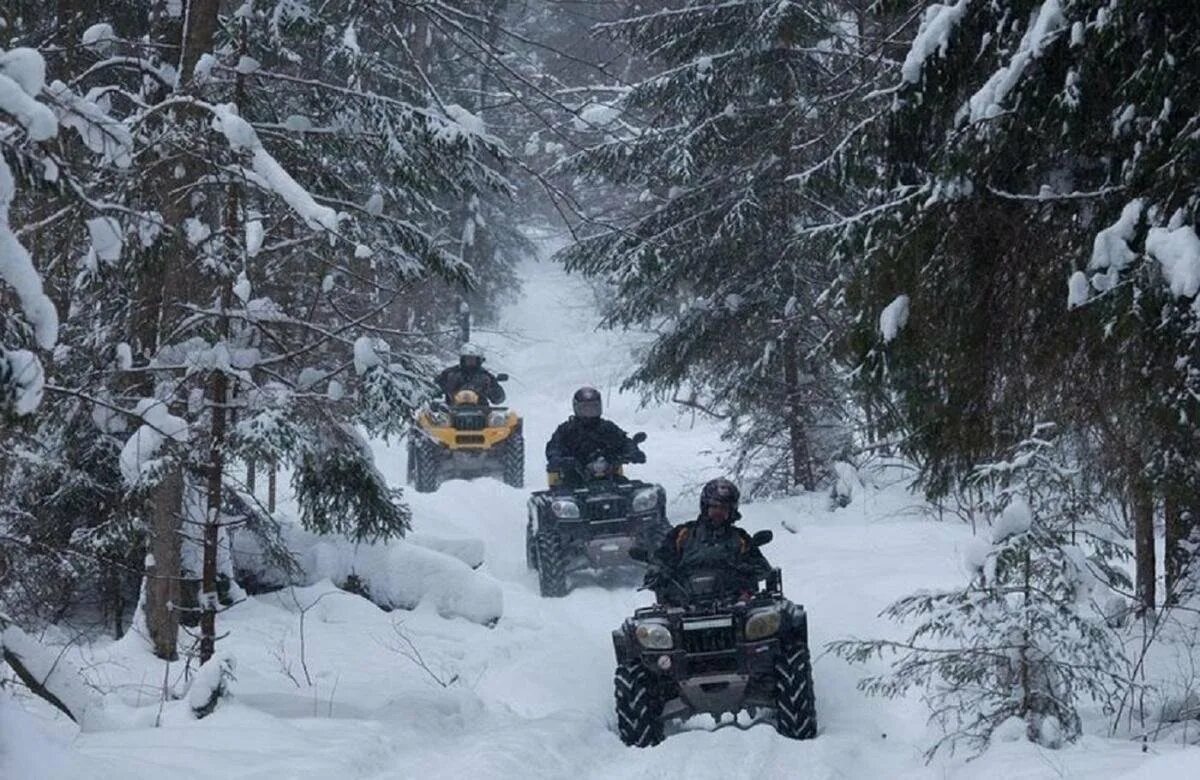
<point>328,685</point>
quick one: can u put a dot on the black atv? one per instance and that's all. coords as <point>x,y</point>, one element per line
<point>590,518</point>
<point>706,649</point>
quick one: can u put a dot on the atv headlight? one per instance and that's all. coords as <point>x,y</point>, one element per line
<point>762,624</point>
<point>497,419</point>
<point>645,499</point>
<point>654,636</point>
<point>439,419</point>
<point>565,509</point>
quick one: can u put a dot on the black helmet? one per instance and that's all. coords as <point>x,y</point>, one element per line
<point>721,492</point>
<point>586,403</point>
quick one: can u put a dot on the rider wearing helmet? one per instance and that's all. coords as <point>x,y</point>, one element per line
<point>469,374</point>
<point>587,434</point>
<point>711,543</point>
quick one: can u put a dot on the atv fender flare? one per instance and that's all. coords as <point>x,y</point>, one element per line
<point>622,648</point>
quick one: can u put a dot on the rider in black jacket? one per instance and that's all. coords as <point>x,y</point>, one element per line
<point>710,543</point>
<point>470,374</point>
<point>586,434</point>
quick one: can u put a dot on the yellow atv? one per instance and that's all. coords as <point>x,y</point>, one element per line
<point>465,439</point>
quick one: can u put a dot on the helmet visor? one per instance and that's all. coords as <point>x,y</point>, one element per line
<point>588,408</point>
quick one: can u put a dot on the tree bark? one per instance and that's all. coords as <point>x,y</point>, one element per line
<point>1180,526</point>
<point>1142,501</point>
<point>163,574</point>
<point>199,29</point>
<point>802,472</point>
<point>218,391</point>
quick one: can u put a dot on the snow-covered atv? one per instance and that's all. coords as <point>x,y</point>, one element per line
<point>591,518</point>
<point>465,439</point>
<point>705,649</point>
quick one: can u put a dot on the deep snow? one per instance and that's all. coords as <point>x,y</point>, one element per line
<point>360,693</point>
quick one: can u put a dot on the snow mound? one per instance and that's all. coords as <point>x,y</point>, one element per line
<point>469,551</point>
<point>399,575</point>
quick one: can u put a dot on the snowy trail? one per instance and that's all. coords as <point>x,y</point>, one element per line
<point>532,697</point>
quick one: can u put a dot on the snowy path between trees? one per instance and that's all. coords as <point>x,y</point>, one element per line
<point>361,693</point>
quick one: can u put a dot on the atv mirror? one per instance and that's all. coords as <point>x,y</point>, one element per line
<point>762,537</point>
<point>639,554</point>
<point>639,437</point>
<point>501,377</point>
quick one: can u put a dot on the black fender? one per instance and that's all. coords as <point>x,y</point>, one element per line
<point>622,646</point>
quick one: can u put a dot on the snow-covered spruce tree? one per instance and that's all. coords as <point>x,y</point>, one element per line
<point>1041,160</point>
<point>735,146</point>
<point>231,313</point>
<point>1020,647</point>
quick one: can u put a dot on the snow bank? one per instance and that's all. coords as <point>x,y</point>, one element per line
<point>399,575</point>
<point>1178,252</point>
<point>894,317</point>
<point>937,25</point>
<point>469,551</point>
<point>25,749</point>
<point>56,674</point>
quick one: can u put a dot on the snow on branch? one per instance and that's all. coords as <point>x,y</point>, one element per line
<point>986,103</point>
<point>242,138</point>
<point>49,676</point>
<point>937,25</point>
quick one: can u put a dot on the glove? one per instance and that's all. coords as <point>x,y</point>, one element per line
<point>637,456</point>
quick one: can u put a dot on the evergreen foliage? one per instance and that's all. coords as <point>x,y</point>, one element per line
<point>731,146</point>
<point>1026,637</point>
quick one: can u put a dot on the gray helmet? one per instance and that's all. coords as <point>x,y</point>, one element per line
<point>470,355</point>
<point>586,403</point>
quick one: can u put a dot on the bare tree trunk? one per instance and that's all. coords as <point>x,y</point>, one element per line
<point>272,472</point>
<point>161,284</point>
<point>163,573</point>
<point>802,473</point>
<point>199,29</point>
<point>1142,500</point>
<point>218,388</point>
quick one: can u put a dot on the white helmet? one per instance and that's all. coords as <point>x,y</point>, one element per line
<point>470,350</point>
<point>470,355</point>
